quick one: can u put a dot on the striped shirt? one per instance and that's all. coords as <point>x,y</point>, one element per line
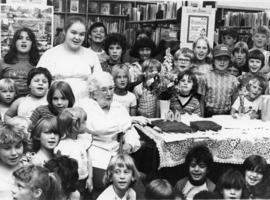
<point>218,89</point>
<point>191,106</point>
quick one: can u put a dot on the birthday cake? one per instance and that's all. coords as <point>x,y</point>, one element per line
<point>172,126</point>
<point>205,125</point>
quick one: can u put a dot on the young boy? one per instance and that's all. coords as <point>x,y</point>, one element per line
<point>240,54</point>
<point>260,38</point>
<point>115,46</point>
<point>218,87</point>
<point>249,104</point>
<point>229,37</point>
<point>198,162</point>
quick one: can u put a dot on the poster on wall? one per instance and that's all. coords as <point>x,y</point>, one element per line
<point>197,22</point>
<point>36,17</point>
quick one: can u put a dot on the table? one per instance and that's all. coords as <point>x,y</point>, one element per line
<point>238,139</point>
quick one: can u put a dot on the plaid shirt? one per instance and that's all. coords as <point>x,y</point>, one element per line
<point>147,101</point>
<point>218,89</point>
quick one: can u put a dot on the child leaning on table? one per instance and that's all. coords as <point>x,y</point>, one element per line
<point>249,102</point>
<point>198,162</point>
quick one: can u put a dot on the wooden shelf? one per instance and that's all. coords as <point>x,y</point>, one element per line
<point>102,15</point>
<point>174,20</point>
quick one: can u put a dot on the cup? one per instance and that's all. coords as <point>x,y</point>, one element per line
<point>164,108</point>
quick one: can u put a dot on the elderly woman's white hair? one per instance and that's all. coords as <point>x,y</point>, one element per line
<point>96,79</point>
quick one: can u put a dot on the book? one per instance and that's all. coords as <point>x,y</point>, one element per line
<point>93,7</point>
<point>126,8</point>
<point>74,6</point>
<point>105,8</point>
<point>115,8</point>
<point>58,5</point>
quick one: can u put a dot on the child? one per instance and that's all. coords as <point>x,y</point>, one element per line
<point>234,70</point>
<point>76,143</point>
<point>120,74</point>
<point>249,103</point>
<point>217,95</point>
<point>144,92</point>
<point>240,55</point>
<point>184,100</point>
<point>67,170</point>
<point>12,147</point>
<point>96,36</point>
<point>229,37</point>
<point>35,183</point>
<point>7,95</point>
<point>198,161</point>
<point>46,137</point>
<point>39,81</point>
<point>159,189</point>
<point>182,60</point>
<point>260,38</point>
<point>257,183</point>
<point>22,56</point>
<point>115,46</point>
<point>231,185</point>
<point>120,176</point>
<point>60,96</point>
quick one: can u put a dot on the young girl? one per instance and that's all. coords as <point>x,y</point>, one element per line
<point>7,95</point>
<point>67,170</point>
<point>184,100</point>
<point>198,162</point>
<point>218,96</point>
<point>76,143</point>
<point>144,92</point>
<point>46,137</point>
<point>256,178</point>
<point>60,96</point>
<point>159,189</point>
<point>35,183</point>
<point>115,46</point>
<point>231,185</point>
<point>120,73</point>
<point>12,147</point>
<point>249,103</point>
<point>22,56</point>
<point>39,81</point>
<point>120,176</point>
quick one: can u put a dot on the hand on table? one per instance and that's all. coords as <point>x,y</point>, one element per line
<point>140,120</point>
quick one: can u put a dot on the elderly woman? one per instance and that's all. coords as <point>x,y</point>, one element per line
<point>106,120</point>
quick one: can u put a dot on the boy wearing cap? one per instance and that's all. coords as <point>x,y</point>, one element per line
<point>219,87</point>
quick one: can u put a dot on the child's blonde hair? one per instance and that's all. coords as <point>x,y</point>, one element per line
<point>150,64</point>
<point>116,69</point>
<point>261,30</point>
<point>37,177</point>
<point>7,84</point>
<point>120,160</point>
<point>257,79</point>
<point>186,52</point>
<point>70,119</point>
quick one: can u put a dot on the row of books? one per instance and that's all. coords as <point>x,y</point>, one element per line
<point>247,19</point>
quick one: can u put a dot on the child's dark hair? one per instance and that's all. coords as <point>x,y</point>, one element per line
<point>206,195</point>
<point>121,160</point>
<point>11,56</point>
<point>255,163</point>
<point>65,90</point>
<point>192,77</point>
<point>200,153</point>
<point>67,170</point>
<point>115,38</point>
<point>231,32</point>
<point>70,119</point>
<point>147,32</point>
<point>39,70</point>
<point>142,43</point>
<point>48,124</point>
<point>256,54</point>
<point>159,189</point>
<point>240,47</point>
<point>231,179</point>
<point>95,25</point>
<point>37,177</point>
